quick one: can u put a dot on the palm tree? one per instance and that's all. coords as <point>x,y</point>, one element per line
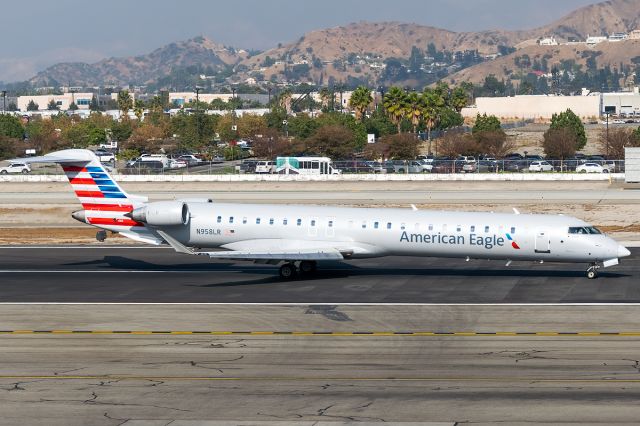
<point>325,98</point>
<point>458,99</point>
<point>395,104</point>
<point>125,103</point>
<point>433,104</point>
<point>285,100</point>
<point>360,100</point>
<point>138,109</point>
<point>415,107</point>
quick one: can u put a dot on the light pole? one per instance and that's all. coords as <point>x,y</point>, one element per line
<point>607,113</point>
<point>198,89</point>
<point>4,101</point>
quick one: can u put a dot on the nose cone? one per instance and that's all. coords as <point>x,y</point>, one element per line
<point>623,251</point>
<point>79,216</point>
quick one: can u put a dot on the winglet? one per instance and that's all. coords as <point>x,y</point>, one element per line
<point>175,244</point>
<point>516,211</point>
<point>413,207</point>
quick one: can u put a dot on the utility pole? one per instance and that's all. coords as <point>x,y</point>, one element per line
<point>198,89</point>
<point>4,101</point>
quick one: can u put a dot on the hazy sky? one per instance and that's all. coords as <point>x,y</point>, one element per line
<point>39,33</point>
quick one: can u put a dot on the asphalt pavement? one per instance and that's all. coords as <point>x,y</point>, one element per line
<point>121,275</point>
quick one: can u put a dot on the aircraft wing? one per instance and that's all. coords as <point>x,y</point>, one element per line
<point>260,254</point>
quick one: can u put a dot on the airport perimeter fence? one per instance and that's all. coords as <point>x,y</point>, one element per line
<point>390,167</point>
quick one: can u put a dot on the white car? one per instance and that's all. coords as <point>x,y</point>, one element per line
<point>591,168</point>
<point>177,164</point>
<point>105,156</point>
<point>266,167</point>
<point>16,168</point>
<point>540,166</point>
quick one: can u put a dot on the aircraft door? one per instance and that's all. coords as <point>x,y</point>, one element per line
<point>543,241</point>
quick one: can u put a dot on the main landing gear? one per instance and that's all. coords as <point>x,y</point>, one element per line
<point>592,271</point>
<point>288,271</point>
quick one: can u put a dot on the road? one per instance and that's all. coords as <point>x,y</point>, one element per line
<point>140,274</point>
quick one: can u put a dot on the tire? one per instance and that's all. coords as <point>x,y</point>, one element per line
<point>308,266</point>
<point>288,271</point>
<point>3,172</point>
<point>25,171</point>
<point>583,171</point>
<point>592,274</point>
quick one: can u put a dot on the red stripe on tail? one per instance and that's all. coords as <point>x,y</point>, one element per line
<point>89,194</point>
<point>74,169</point>
<point>81,181</point>
<point>113,221</point>
<point>108,207</point>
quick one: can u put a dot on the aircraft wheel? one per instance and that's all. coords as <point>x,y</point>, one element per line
<point>101,236</point>
<point>288,271</point>
<point>308,266</point>
<point>592,272</point>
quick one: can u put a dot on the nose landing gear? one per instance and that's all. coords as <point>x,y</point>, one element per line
<point>592,271</point>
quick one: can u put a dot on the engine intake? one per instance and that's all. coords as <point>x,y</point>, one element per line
<point>162,213</point>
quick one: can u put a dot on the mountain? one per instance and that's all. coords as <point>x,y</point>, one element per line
<point>198,51</point>
<point>367,53</point>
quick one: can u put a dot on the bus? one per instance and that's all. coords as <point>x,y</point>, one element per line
<point>305,166</point>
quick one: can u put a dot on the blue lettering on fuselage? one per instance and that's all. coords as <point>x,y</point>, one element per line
<point>488,242</point>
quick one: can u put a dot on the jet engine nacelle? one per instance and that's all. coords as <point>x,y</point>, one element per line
<point>162,213</point>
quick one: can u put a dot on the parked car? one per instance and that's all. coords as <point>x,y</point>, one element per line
<point>142,166</point>
<point>540,166</point>
<point>353,166</point>
<point>247,166</point>
<point>177,164</point>
<point>376,166</point>
<point>481,166</point>
<point>190,159</point>
<point>591,168</point>
<point>105,156</point>
<point>413,166</point>
<point>23,168</point>
<point>266,167</point>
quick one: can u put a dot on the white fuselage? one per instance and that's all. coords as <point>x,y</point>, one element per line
<point>377,232</point>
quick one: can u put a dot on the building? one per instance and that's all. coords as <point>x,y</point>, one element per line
<point>182,98</point>
<point>634,35</point>
<point>615,37</point>
<point>622,103</point>
<point>596,40</point>
<point>82,100</point>
<point>548,41</point>
<point>541,107</point>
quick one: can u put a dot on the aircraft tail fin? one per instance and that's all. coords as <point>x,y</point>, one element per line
<point>104,202</point>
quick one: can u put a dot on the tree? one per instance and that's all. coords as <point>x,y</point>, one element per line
<point>573,123</point>
<point>93,105</point>
<point>400,146</point>
<point>52,106</point>
<point>617,140</point>
<point>271,144</point>
<point>493,143</point>
<point>8,148</point>
<point>73,106</point>
<point>559,143</point>
<point>11,127</point>
<point>334,141</point>
<point>455,143</point>
<point>360,100</point>
<point>434,102</point>
<point>415,107</point>
<point>138,109</point>
<point>486,123</point>
<point>125,103</point>
<point>395,105</point>
<point>325,98</point>
<point>458,99</point>
<point>32,106</point>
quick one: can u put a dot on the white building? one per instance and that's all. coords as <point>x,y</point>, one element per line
<point>181,98</point>
<point>82,100</point>
<point>536,106</point>
<point>615,37</point>
<point>627,103</point>
<point>548,41</point>
<point>634,35</point>
<point>595,40</point>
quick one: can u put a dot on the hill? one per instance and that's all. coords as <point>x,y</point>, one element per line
<point>142,69</point>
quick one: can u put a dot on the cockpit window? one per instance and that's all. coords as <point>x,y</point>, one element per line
<point>585,230</point>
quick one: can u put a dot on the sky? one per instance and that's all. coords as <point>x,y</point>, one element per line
<point>40,33</point>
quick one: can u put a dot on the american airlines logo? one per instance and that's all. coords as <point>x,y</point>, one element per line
<point>513,243</point>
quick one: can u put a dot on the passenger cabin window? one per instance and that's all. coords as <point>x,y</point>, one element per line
<point>271,221</point>
<point>486,229</point>
<point>258,221</point>
<point>473,228</point>
<point>330,224</point>
<point>513,230</point>
<point>231,219</point>
<point>364,225</point>
<point>313,223</point>
<point>244,220</point>
<point>402,226</point>
<point>389,225</point>
<point>586,230</point>
<point>430,227</point>
<point>299,222</point>
<point>219,219</point>
<point>376,225</point>
<point>459,228</point>
<point>284,222</point>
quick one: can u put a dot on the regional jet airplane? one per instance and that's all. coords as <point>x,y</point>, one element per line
<point>297,237</point>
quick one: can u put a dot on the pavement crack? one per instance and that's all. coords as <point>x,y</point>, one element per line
<point>329,312</point>
<point>123,421</point>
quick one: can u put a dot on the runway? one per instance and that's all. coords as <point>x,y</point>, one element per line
<point>158,275</point>
<point>126,379</point>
